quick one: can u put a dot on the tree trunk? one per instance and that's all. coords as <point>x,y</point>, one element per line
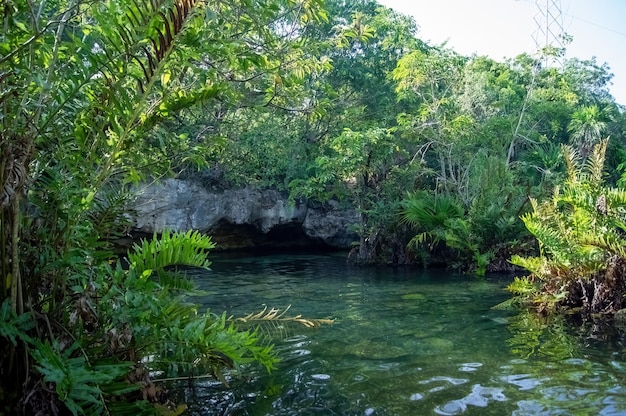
<point>609,288</point>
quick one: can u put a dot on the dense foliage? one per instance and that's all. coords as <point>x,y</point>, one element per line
<point>440,153</point>
<point>92,100</point>
<point>581,234</point>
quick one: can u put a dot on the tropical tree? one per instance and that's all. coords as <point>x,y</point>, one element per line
<point>354,167</point>
<point>353,152</point>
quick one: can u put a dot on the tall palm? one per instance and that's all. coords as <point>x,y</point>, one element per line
<point>586,128</point>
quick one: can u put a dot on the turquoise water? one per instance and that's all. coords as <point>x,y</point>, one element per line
<point>405,342</point>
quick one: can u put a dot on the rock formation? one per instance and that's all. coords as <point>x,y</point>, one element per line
<point>242,218</point>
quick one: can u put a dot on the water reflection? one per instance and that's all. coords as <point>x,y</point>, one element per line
<point>405,343</point>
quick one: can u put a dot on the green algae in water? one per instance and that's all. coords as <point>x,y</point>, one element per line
<point>438,344</point>
<point>413,296</point>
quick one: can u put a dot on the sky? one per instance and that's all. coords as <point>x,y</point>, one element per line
<point>504,29</point>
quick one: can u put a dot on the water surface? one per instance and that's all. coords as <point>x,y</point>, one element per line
<point>405,342</point>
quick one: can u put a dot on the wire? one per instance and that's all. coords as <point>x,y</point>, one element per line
<point>596,24</point>
<point>584,20</point>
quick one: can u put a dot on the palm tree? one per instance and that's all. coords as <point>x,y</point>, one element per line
<point>586,128</point>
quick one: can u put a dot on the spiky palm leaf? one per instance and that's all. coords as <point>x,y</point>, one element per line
<point>587,126</point>
<point>429,211</point>
<point>594,165</point>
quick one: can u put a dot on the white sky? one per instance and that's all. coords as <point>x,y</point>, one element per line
<point>504,28</point>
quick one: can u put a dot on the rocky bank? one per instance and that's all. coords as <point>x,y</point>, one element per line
<point>244,218</point>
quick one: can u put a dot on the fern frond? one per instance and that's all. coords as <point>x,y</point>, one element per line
<point>533,264</point>
<point>14,326</point>
<point>616,198</point>
<point>522,286</point>
<point>608,243</point>
<point>171,249</point>
<point>551,240</point>
<point>78,384</point>
<point>109,212</point>
<point>509,304</point>
<point>177,281</point>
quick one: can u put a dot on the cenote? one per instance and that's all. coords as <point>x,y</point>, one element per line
<point>405,342</point>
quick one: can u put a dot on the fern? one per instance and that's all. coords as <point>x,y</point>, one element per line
<point>171,249</point>
<point>594,165</point>
<point>110,211</point>
<point>14,326</point>
<point>206,344</point>
<point>579,229</point>
<point>179,341</point>
<point>522,286</point>
<point>77,384</point>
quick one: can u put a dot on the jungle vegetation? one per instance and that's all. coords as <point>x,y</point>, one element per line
<point>447,157</point>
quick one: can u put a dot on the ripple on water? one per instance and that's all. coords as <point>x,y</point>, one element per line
<point>614,405</point>
<point>564,394</point>
<point>469,367</point>
<point>451,380</point>
<point>523,381</point>
<point>479,396</point>
<point>454,407</point>
<point>388,366</point>
<point>618,365</point>
<point>320,377</point>
<point>576,361</point>
<point>296,338</point>
<point>532,407</point>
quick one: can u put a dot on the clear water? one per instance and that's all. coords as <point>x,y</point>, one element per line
<point>405,342</point>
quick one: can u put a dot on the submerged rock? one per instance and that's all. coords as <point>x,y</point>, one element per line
<point>242,218</point>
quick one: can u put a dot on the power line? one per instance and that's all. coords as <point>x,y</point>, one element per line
<point>596,24</point>
<point>584,20</point>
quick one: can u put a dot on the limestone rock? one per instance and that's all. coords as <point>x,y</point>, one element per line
<point>331,224</point>
<point>241,218</point>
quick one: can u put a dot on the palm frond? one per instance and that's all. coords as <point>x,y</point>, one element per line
<point>594,165</point>
<point>276,315</point>
<point>273,322</point>
<point>572,162</point>
<point>419,240</point>
<point>148,40</point>
<point>428,211</point>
